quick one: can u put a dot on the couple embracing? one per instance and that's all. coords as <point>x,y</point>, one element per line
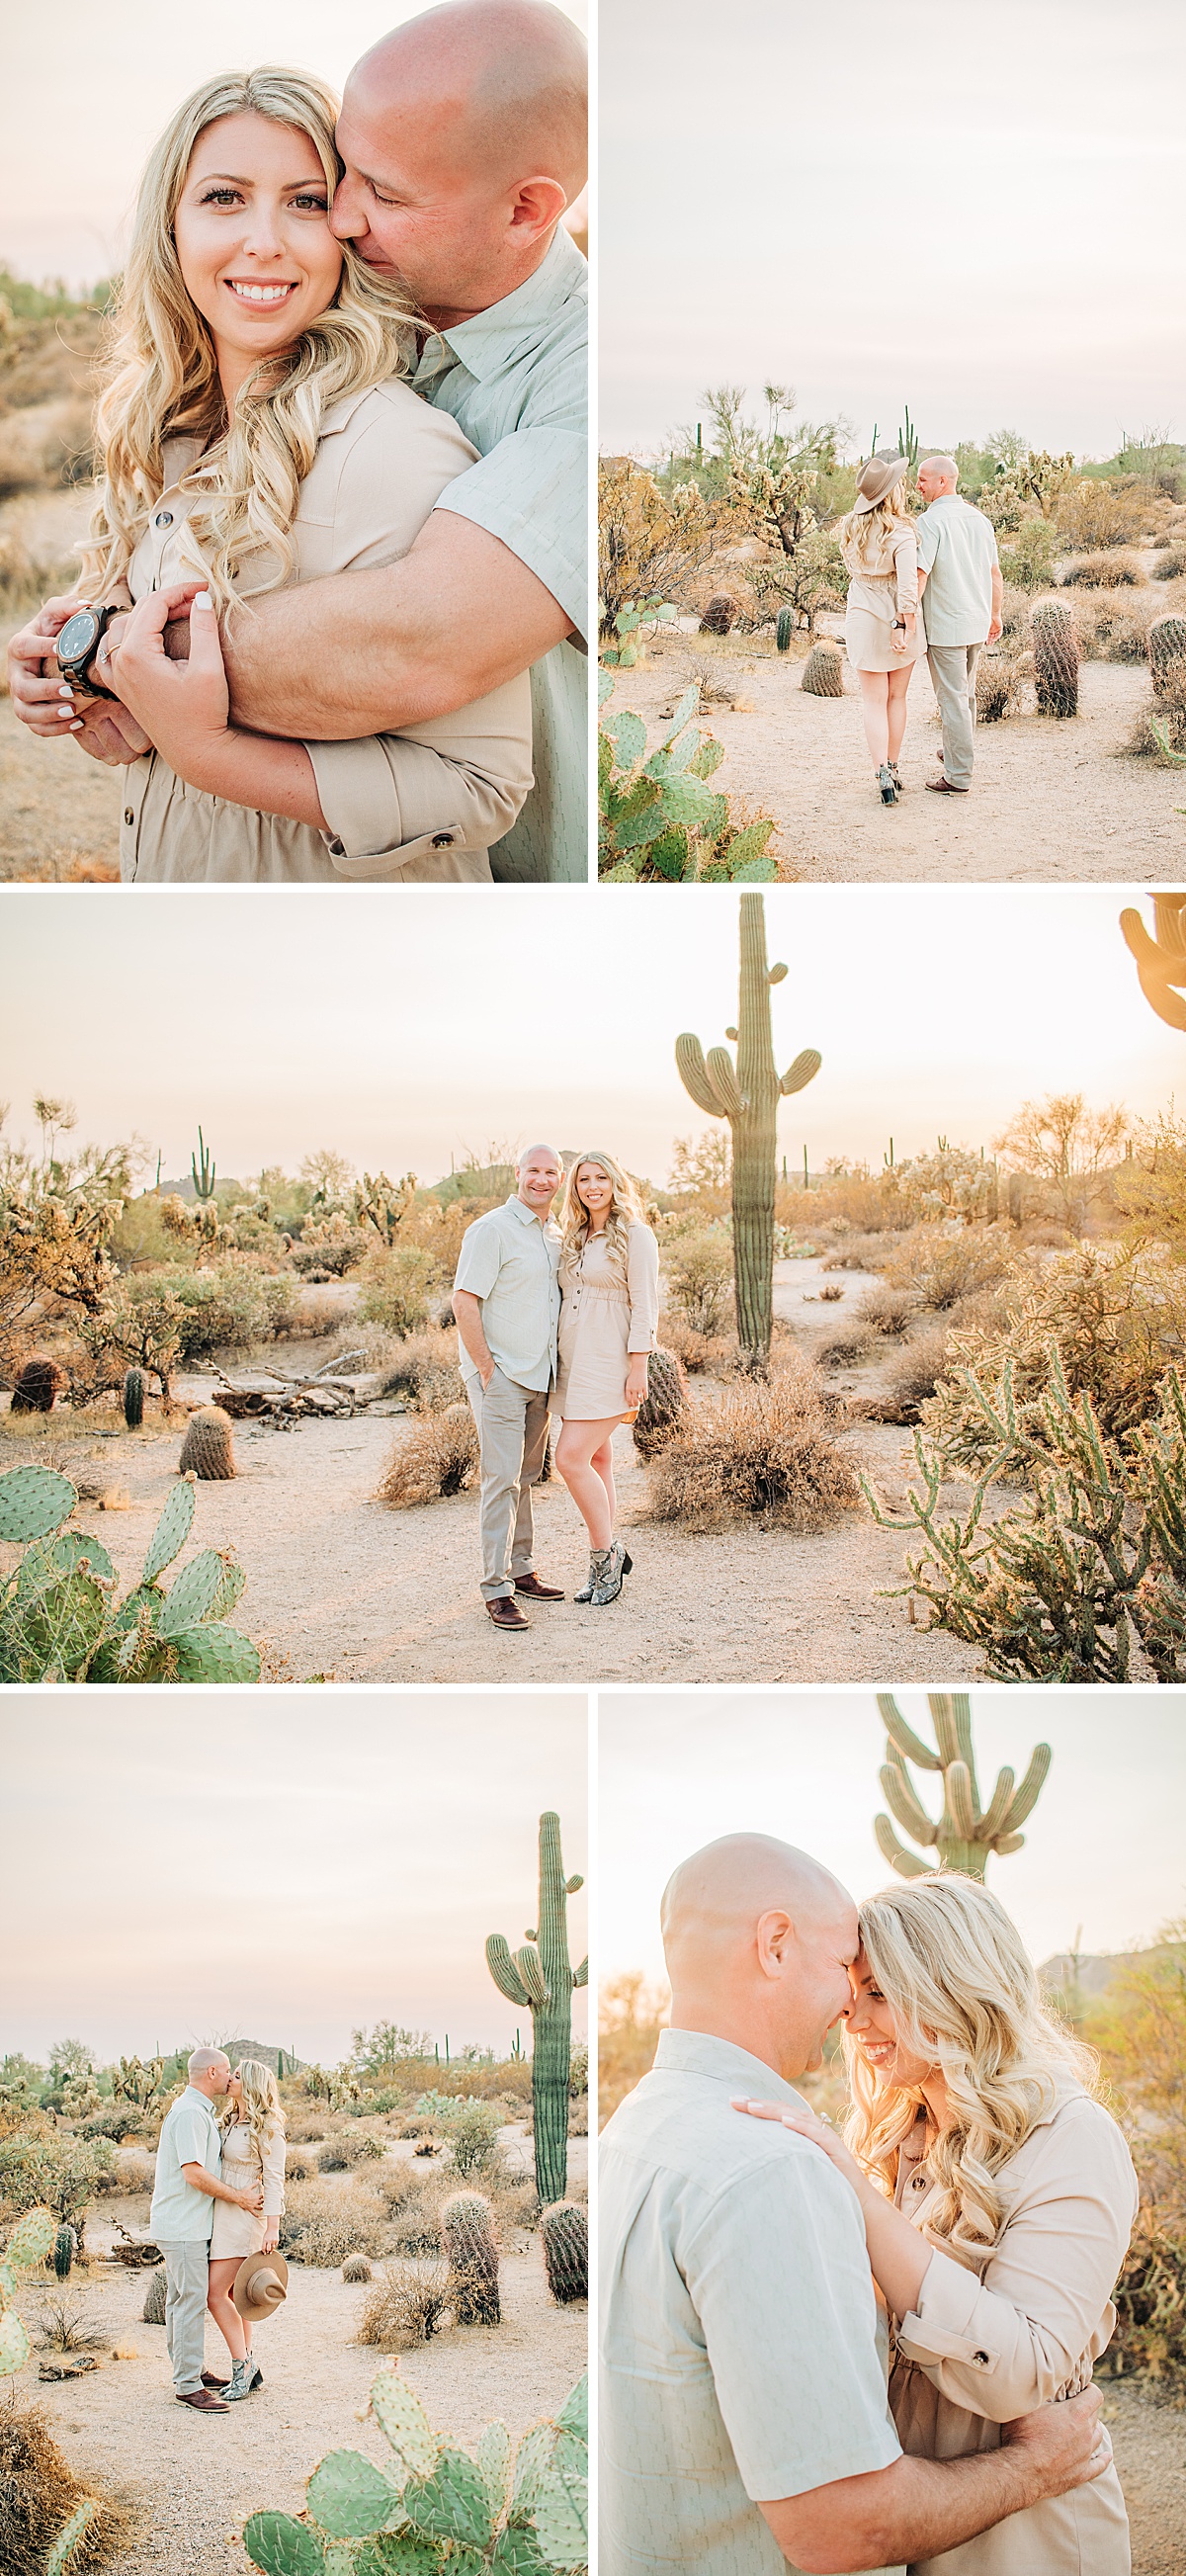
<point>927,585</point>
<point>871,2351</point>
<point>554,1318</point>
<point>217,2202</point>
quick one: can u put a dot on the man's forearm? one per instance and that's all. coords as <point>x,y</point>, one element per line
<point>367,652</point>
<point>914,2510</point>
<point>213,2188</point>
<point>467,1310</point>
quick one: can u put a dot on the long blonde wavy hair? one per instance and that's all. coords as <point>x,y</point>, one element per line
<point>625,1210</point>
<point>964,1994</point>
<point>259,2108</point>
<point>162,377</point>
<point>865,537</point>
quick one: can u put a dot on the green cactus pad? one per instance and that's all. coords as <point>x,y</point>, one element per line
<point>531,2460</point>
<point>193,1597</point>
<point>70,2534</point>
<point>234,1584</point>
<point>341,2558</point>
<point>215,1654</point>
<point>31,2240</point>
<point>14,2343</point>
<point>7,2286</point>
<point>562,2518</point>
<point>451,2504</point>
<point>171,1532</point>
<point>518,2553</point>
<point>398,2553</point>
<point>349,2497</point>
<point>494,2461</point>
<point>33,1501</point>
<point>399,2411</point>
<point>73,1545</point>
<point>282,2547</point>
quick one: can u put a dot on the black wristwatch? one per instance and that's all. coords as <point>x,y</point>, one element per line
<point>77,644</point>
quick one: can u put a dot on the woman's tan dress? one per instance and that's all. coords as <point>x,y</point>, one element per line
<point>875,600</point>
<point>246,2161</point>
<point>604,1317</point>
<point>1023,2329</point>
<point>421,806</point>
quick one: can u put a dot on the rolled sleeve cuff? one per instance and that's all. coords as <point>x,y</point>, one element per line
<point>945,2326</point>
<point>384,814</point>
<point>531,492</point>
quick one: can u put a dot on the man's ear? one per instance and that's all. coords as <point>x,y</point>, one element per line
<point>775,1936</point>
<point>537,204</point>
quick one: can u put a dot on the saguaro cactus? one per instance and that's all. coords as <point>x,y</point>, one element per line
<point>1161,961</point>
<point>965,1832</point>
<point>201,1167</point>
<point>747,1094</point>
<point>540,1979</point>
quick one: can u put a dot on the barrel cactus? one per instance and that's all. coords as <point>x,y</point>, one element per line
<point>564,2235</point>
<point>60,1616</point>
<point>720,615</point>
<point>37,1385</point>
<point>1056,660</point>
<point>356,2268</point>
<point>467,2236</point>
<point>153,2310</point>
<point>664,1405</point>
<point>209,1446</point>
<point>965,1833</point>
<point>823,672</point>
<point>134,1398</point>
<point>784,629</point>
<point>539,1979</point>
<point>65,2248</point>
<point>1167,653</point>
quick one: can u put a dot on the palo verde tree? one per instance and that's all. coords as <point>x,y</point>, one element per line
<point>747,1094</point>
<point>539,1978</point>
<point>965,1832</point>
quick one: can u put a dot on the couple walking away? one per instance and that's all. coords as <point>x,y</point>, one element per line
<point>871,2352</point>
<point>554,1319</point>
<point>927,585</point>
<point>216,2210</point>
<point>343,484</point>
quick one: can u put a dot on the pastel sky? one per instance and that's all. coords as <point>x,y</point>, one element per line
<point>81,107</point>
<point>284,1867</point>
<point>976,212</point>
<point>405,1031</point>
<point>1103,1846</point>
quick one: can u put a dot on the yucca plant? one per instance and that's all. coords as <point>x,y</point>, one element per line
<point>61,1619</point>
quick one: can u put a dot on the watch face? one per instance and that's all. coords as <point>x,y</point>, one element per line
<point>78,636</point>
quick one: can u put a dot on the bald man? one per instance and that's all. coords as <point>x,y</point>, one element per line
<point>506,1301</point>
<point>464,139</point>
<point>187,2184</point>
<point>959,585</point>
<point>744,2423</point>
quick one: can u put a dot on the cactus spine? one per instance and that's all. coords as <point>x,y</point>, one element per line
<point>1161,961</point>
<point>134,1398</point>
<point>747,1094</point>
<point>784,629</point>
<point>1056,660</point>
<point>201,1167</point>
<point>564,2235</point>
<point>966,1832</point>
<point>823,672</point>
<point>540,1979</point>
<point>468,2240</point>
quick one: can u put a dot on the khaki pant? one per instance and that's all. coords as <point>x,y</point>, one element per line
<point>187,2279</point>
<point>512,1425</point>
<point>953,670</point>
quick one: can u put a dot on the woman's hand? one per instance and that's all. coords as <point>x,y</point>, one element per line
<point>637,1381</point>
<point>35,683</point>
<point>271,2236</point>
<point>183,706</point>
<point>807,2124</point>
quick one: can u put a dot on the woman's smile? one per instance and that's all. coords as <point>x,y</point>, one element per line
<point>275,292</point>
<point>254,246</point>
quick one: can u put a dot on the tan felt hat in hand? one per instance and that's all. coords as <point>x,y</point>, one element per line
<point>260,2284</point>
<point>877,479</point>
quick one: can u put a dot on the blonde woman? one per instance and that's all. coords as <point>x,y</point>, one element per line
<point>252,2153</point>
<point>883,630</point>
<point>609,1289</point>
<point>257,428</point>
<point>998,2198</point>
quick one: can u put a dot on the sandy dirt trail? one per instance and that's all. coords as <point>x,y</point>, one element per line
<point>1050,800</point>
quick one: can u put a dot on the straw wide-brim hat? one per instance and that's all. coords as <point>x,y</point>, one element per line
<point>260,2284</point>
<point>877,478</point>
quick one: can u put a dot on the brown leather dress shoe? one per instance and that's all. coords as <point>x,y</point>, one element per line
<point>533,1590</point>
<point>204,2402</point>
<point>505,1612</point>
<point>943,787</point>
<point>209,2380</point>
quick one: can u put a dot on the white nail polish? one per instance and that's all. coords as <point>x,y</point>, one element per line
<point>76,727</point>
<point>65,690</point>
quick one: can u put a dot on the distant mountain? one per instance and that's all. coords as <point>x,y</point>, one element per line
<point>1094,1970</point>
<point>283,2061</point>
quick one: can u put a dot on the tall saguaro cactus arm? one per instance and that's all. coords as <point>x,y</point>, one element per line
<point>964,1834</point>
<point>1161,960</point>
<point>539,1978</point>
<point>747,1093</point>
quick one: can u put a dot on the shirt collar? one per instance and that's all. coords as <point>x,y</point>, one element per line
<point>697,2052</point>
<point>489,340</point>
<point>526,1215</point>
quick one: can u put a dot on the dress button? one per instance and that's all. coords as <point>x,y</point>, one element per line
<point>129,815</point>
<point>164,519</point>
<point>442,840</point>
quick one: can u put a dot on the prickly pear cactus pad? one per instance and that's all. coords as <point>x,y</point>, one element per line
<point>33,1501</point>
<point>172,1530</point>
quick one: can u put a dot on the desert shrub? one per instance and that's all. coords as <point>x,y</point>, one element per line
<point>407,2308</point>
<point>1001,675</point>
<point>474,2139</point>
<point>767,1452</point>
<point>356,2268</point>
<point>40,2495</point>
<point>1113,628</point>
<point>1101,514</point>
<point>1027,554</point>
<point>1113,1322</point>
<point>942,1263</point>
<point>1159,731</point>
<point>123,2121</point>
<point>1114,571</point>
<point>299,2165</point>
<point>325,2221</point>
<point>415,2222</point>
<point>436,1458</point>
<point>1150,2298</point>
<point>862,1252</point>
<point>135,2169</point>
<point>887,1309</point>
<point>630,2018</point>
<point>1170,564</point>
<point>227,1308</point>
<point>314,1319</point>
<point>424,1370</point>
<point>399,1282</point>
<point>852,1343</point>
<point>61,2173</point>
<point>1015,610</point>
<point>699,1272</point>
<point>345,2154</point>
<point>694,1351</point>
<point>911,1378</point>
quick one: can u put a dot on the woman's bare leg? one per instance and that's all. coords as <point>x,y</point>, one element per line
<point>583,1460</point>
<point>875,710</point>
<point>899,682</point>
<point>235,2334</point>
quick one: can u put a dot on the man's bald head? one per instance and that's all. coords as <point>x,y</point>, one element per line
<point>758,1939</point>
<point>510,75</point>
<point>937,474</point>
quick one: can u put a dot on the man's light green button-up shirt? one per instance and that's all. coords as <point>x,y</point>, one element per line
<point>740,2356</point>
<point>516,379</point>
<point>509,1258</point>
<point>191,2136</point>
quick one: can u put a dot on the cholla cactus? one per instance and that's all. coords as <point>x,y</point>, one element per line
<point>384,1204</point>
<point>31,2241</point>
<point>138,2083</point>
<point>1161,961</point>
<point>467,2236</point>
<point>965,1832</point>
<point>539,1978</point>
<point>61,1620</point>
<point>436,2505</point>
<point>747,1094</point>
<point>564,2235</point>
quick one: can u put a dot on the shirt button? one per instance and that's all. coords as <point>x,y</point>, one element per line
<point>442,840</point>
<point>129,815</point>
<point>164,519</point>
